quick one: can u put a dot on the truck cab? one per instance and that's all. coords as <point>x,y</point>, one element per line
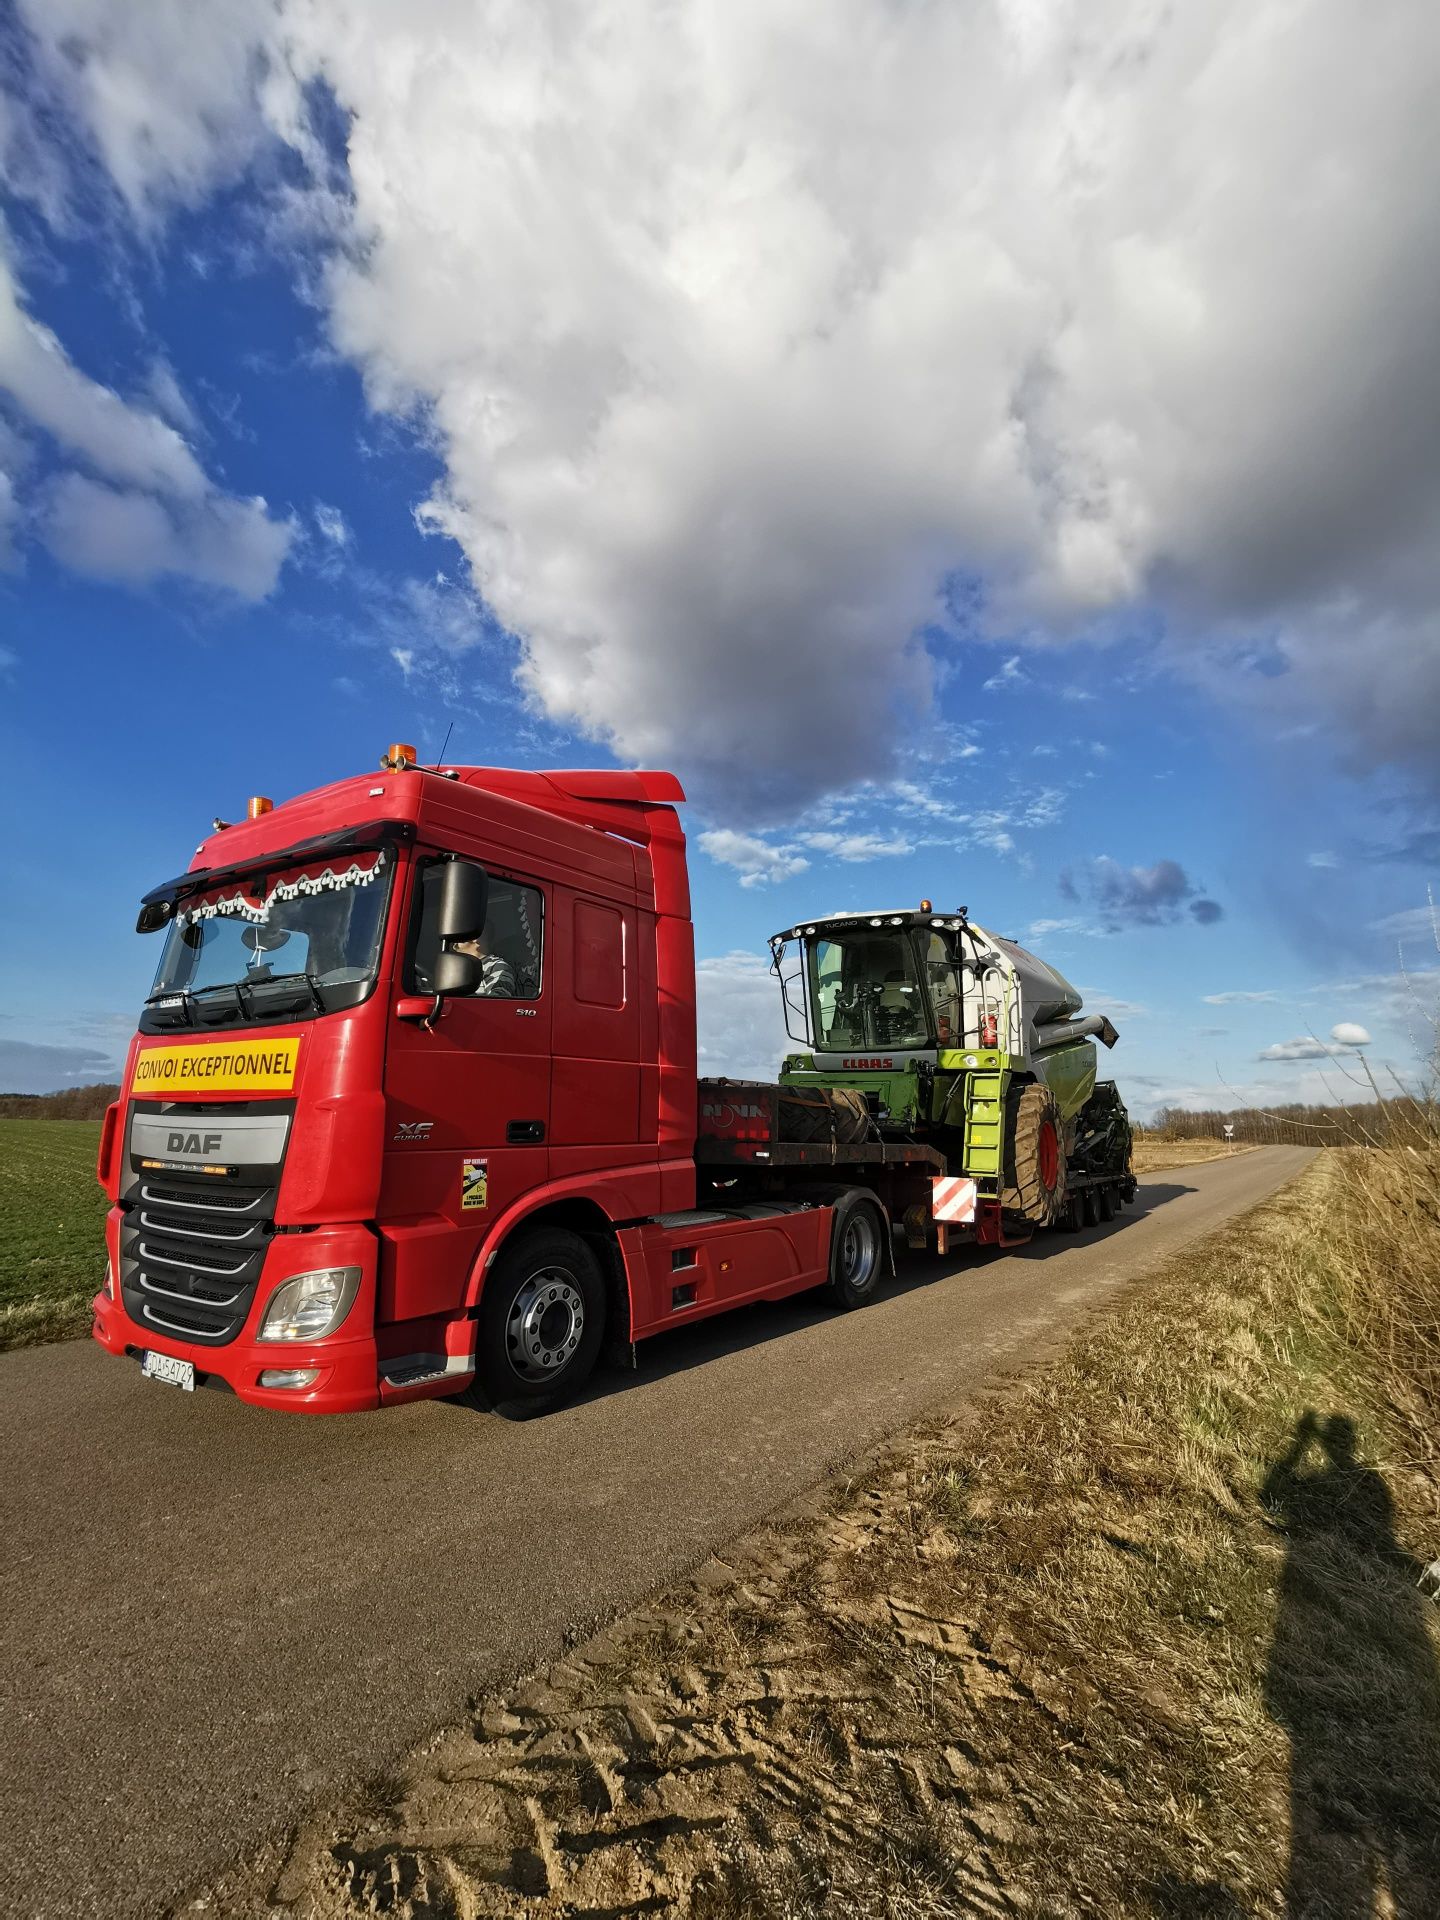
<point>392,1019</point>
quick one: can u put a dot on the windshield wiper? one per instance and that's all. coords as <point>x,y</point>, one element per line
<point>253,987</point>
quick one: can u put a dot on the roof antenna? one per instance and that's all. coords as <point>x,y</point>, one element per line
<point>443,744</point>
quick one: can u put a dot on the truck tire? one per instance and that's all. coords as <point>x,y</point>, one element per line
<point>857,1254</point>
<point>1034,1156</point>
<point>542,1319</point>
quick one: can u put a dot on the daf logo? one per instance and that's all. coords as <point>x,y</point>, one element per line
<point>193,1143</point>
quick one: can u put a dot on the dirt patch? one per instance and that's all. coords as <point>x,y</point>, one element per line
<point>1149,1635</point>
<point>1158,1156</point>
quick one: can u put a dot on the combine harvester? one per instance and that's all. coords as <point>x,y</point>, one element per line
<point>925,1030</point>
<point>412,1109</point>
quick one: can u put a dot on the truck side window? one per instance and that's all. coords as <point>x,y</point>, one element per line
<point>513,938</point>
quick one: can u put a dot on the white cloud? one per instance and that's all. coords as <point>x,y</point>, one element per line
<point>332,526</point>
<point>1239,996</point>
<point>404,658</point>
<point>858,846</point>
<point>1344,1039</point>
<point>1348,1033</point>
<point>756,861</point>
<point>1323,860</point>
<point>161,515</point>
<point>1009,675</point>
<point>1415,923</point>
<point>1038,929</point>
<point>129,536</point>
<point>740,1024</point>
<point>737,326</point>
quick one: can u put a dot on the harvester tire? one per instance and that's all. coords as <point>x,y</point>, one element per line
<point>1034,1156</point>
<point>814,1115</point>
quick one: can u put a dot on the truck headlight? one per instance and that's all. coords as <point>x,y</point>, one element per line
<point>310,1305</point>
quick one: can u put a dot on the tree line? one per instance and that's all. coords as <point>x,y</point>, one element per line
<point>73,1103</point>
<point>1368,1123</point>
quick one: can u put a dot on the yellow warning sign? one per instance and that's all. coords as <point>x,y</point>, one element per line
<point>221,1066</point>
<point>474,1184</point>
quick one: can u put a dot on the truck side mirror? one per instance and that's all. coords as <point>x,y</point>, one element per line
<point>154,915</point>
<point>464,899</point>
<point>455,973</point>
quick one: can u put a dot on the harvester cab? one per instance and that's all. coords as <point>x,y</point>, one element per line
<point>941,1026</point>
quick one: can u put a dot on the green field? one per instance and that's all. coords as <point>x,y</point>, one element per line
<point>52,1215</point>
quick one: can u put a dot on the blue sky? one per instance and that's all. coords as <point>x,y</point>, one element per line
<point>305,453</point>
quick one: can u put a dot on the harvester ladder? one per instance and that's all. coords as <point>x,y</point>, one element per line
<point>984,1122</point>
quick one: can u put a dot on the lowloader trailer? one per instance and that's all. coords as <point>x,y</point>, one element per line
<point>412,1110</point>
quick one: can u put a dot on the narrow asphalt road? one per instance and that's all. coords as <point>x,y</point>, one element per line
<point>214,1615</point>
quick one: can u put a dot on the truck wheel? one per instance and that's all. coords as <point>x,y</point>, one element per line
<point>857,1255</point>
<point>1035,1159</point>
<point>542,1318</point>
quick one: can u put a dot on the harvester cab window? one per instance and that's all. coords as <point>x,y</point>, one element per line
<point>865,991</point>
<point>947,1000</point>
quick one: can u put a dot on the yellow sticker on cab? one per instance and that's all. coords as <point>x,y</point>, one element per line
<point>474,1184</point>
<point>219,1066</point>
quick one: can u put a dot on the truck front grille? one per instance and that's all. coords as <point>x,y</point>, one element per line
<point>191,1251</point>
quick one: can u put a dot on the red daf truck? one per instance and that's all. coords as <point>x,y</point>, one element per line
<point>413,1111</point>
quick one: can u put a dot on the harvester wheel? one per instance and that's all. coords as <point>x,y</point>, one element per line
<point>1034,1156</point>
<point>810,1115</point>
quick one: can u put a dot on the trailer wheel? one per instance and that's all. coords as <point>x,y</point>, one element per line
<point>857,1254</point>
<point>1073,1217</point>
<point>1034,1158</point>
<point>1107,1203</point>
<point>542,1319</point>
<point>1092,1207</point>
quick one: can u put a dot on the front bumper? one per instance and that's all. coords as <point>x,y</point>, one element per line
<point>347,1361</point>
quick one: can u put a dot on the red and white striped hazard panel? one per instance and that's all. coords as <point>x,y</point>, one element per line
<point>952,1200</point>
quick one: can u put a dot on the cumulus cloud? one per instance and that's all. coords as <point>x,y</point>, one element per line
<point>740,326</point>
<point>1140,896</point>
<point>740,1025</point>
<point>756,860</point>
<point>1349,1033</point>
<point>1345,1037</point>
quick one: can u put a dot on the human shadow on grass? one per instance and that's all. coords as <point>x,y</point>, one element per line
<point>1352,1678</point>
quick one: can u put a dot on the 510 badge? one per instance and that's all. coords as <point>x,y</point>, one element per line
<point>474,1184</point>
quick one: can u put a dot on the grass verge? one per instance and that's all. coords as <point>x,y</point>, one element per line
<point>52,1229</point>
<point>1150,1634</point>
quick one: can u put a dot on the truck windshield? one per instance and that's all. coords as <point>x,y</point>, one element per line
<point>865,990</point>
<point>281,945</point>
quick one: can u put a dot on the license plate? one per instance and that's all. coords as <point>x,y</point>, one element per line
<point>175,1373</point>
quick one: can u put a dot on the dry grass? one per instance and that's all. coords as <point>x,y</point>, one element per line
<point>1158,1156</point>
<point>1055,1660</point>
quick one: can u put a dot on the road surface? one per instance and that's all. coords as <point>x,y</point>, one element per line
<point>215,1615</point>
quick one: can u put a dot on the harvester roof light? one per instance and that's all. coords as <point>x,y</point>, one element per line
<point>937,923</point>
<point>898,921</point>
<point>877,923</point>
<point>925,906</point>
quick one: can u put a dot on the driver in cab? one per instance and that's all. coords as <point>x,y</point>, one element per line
<point>497,976</point>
